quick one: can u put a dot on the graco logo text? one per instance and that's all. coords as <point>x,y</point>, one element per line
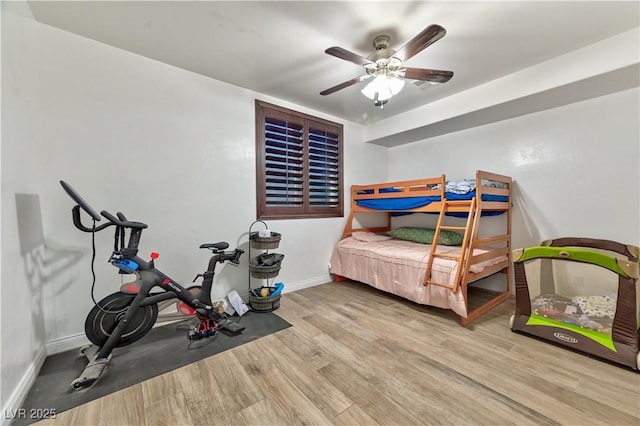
<point>565,338</point>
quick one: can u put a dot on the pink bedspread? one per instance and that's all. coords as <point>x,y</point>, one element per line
<point>398,267</point>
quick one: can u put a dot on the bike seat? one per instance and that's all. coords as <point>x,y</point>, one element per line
<point>218,246</point>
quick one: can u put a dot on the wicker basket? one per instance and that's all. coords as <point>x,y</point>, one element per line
<point>264,272</point>
<point>266,265</point>
<point>264,304</point>
<point>264,243</point>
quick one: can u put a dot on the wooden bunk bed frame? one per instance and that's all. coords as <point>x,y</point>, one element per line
<point>435,187</point>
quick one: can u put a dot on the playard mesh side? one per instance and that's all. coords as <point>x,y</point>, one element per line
<point>582,297</point>
<point>579,294</point>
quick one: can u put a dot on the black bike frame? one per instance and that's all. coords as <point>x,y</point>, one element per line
<point>151,277</point>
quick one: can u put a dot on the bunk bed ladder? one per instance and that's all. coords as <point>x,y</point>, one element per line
<point>467,206</point>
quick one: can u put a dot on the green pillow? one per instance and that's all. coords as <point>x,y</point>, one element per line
<point>425,236</point>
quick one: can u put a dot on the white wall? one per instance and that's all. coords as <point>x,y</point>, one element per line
<point>23,334</point>
<point>575,167</point>
<point>165,146</point>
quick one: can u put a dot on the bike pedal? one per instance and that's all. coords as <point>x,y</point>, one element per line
<point>205,329</point>
<point>197,336</point>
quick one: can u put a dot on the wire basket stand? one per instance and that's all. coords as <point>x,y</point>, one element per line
<point>264,266</point>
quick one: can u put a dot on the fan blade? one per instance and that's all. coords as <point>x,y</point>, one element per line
<point>341,53</point>
<point>428,36</point>
<point>345,84</point>
<point>437,76</point>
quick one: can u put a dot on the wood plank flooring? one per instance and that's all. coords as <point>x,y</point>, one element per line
<point>358,356</point>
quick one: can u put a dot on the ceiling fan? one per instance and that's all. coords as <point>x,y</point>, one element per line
<point>385,65</point>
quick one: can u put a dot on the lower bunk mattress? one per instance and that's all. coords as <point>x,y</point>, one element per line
<point>398,267</point>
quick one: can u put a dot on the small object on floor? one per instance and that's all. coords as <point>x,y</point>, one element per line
<point>231,328</point>
<point>237,303</point>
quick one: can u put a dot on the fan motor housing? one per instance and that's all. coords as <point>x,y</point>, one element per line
<point>381,42</point>
<point>382,53</point>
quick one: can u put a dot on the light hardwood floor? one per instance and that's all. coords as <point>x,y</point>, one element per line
<point>357,356</point>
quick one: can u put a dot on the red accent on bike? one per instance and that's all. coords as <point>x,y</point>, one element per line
<point>185,309</point>
<point>166,281</point>
<point>155,255</point>
<point>130,288</point>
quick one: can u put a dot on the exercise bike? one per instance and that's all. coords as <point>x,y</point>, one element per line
<point>124,317</point>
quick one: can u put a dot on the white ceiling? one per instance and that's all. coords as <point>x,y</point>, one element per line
<point>277,48</point>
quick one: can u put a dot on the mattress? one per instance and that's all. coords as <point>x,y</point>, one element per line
<point>399,267</point>
<point>455,190</point>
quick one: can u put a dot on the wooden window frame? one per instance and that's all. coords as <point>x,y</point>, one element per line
<point>264,110</point>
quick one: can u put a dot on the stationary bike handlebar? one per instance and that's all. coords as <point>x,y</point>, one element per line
<point>77,221</point>
<point>121,220</point>
<point>124,223</point>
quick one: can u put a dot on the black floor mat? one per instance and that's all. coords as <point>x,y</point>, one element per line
<point>162,350</point>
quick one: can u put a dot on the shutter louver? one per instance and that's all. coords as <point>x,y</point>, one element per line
<point>298,165</point>
<point>324,177</point>
<point>284,163</point>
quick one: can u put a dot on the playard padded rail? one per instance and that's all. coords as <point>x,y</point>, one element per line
<point>624,267</point>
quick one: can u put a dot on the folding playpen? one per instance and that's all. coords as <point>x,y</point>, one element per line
<point>578,293</point>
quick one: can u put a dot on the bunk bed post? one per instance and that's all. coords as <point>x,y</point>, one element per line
<point>464,281</point>
<point>509,213</point>
<point>477,242</point>
<point>349,225</point>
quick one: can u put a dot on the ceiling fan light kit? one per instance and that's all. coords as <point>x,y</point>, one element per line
<point>383,87</point>
<point>385,66</point>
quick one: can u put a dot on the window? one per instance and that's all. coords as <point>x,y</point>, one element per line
<point>298,164</point>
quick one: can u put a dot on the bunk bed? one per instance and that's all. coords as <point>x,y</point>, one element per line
<point>430,273</point>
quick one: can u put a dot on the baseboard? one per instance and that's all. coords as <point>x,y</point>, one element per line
<point>17,397</point>
<point>65,343</point>
<point>306,283</point>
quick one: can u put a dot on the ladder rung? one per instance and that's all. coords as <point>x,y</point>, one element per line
<point>447,256</point>
<point>461,228</point>
<point>461,202</point>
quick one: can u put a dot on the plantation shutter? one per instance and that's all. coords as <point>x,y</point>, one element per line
<point>284,164</point>
<point>324,179</point>
<point>298,164</point>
